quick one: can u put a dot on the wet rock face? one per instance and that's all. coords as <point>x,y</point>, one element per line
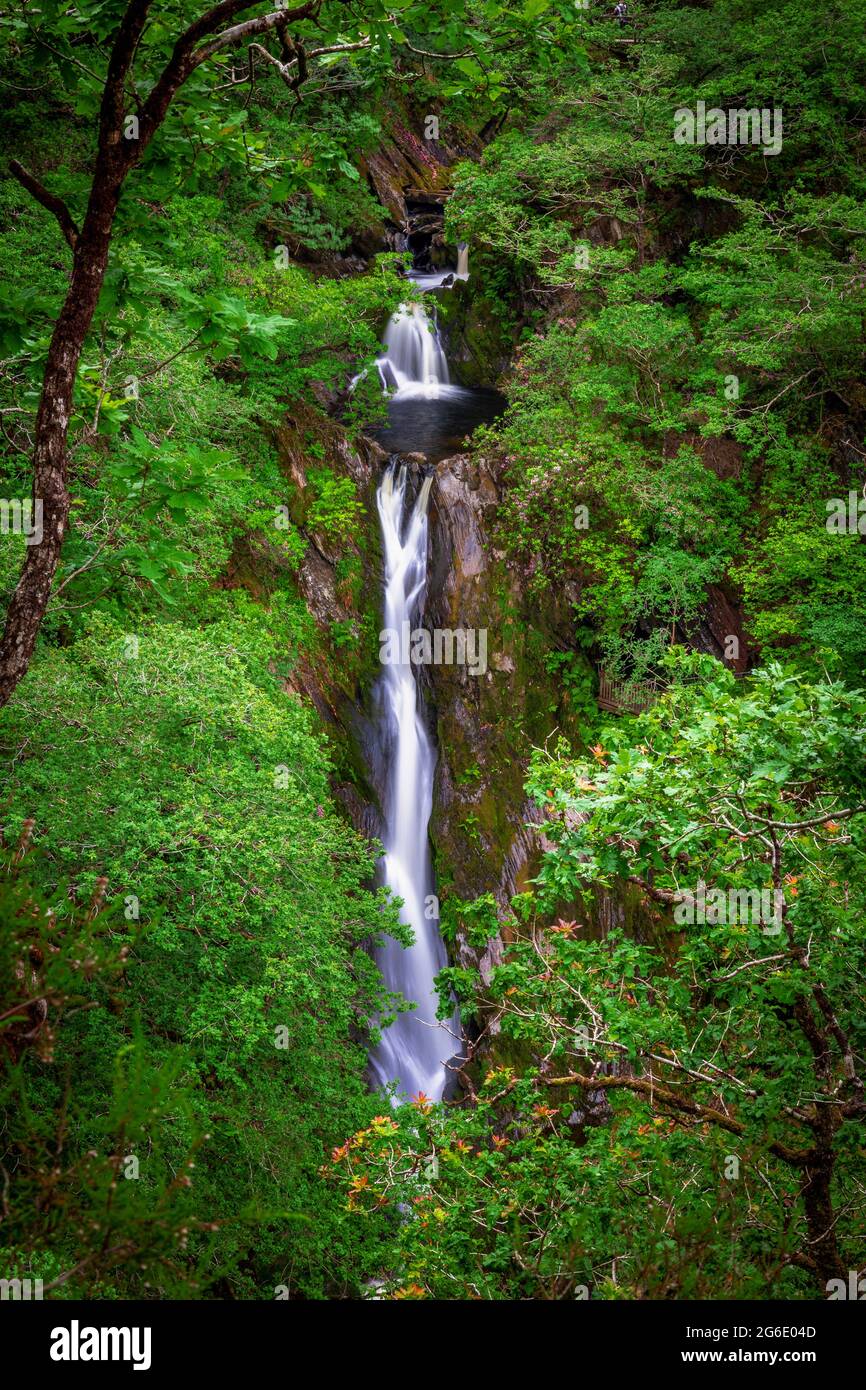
<point>410,168</point>
<point>487,836</point>
<point>487,720</point>
<point>306,438</point>
<point>478,350</point>
<point>337,576</point>
<point>361,460</point>
<point>464,501</point>
<point>407,166</point>
<point>721,632</point>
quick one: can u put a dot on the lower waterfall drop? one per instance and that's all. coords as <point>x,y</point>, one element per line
<point>414,1050</point>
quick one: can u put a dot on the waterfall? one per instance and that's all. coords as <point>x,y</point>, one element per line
<point>414,363</point>
<point>414,1050</point>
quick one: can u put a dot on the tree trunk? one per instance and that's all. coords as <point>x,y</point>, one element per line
<point>821,1224</point>
<point>50,456</point>
<point>116,156</point>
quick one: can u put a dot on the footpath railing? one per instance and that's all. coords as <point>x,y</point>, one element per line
<point>620,696</point>
<point>623,696</point>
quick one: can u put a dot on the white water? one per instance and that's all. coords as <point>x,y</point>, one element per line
<point>414,363</point>
<point>414,1050</point>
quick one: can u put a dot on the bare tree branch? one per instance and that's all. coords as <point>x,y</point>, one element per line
<point>648,1086</point>
<point>48,200</point>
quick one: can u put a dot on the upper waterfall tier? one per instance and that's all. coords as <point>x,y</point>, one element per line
<point>414,362</point>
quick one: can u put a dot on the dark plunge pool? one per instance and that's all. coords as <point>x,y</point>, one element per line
<point>436,425</point>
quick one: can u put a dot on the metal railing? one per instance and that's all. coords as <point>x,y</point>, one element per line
<point>621,696</point>
<point>624,696</point>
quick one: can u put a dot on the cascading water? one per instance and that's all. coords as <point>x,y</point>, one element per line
<point>414,364</point>
<point>428,415</point>
<point>414,1050</point>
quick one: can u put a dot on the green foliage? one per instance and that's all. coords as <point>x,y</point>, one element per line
<point>186,919</point>
<point>691,324</point>
<point>201,797</point>
<point>75,1212</point>
<point>716,1057</point>
<point>808,588</point>
<point>335,507</point>
<point>477,922</point>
